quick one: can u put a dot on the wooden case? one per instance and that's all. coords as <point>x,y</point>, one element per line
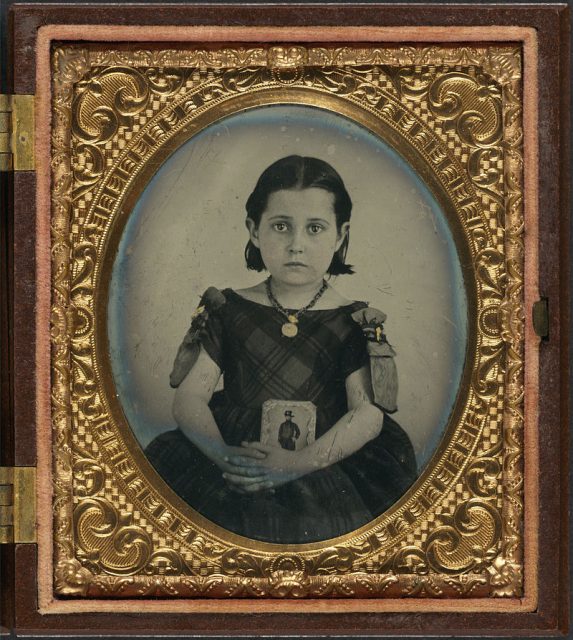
<point>529,592</point>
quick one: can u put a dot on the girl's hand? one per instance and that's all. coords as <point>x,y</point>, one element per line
<point>235,459</point>
<point>278,467</point>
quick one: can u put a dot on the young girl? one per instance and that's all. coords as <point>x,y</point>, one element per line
<point>292,337</point>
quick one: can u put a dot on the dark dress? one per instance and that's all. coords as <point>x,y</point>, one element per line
<point>244,339</point>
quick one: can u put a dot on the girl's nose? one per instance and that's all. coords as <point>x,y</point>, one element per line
<point>296,242</point>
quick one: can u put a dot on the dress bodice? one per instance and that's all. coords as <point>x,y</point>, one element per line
<point>258,363</point>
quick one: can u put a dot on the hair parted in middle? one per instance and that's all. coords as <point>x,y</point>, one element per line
<point>298,173</point>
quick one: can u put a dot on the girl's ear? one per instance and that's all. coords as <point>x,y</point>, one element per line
<point>342,234</point>
<point>253,231</point>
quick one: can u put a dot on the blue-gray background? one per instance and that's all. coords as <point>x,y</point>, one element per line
<point>187,232</point>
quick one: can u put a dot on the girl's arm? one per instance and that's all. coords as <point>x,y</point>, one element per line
<point>362,423</point>
<point>193,415</point>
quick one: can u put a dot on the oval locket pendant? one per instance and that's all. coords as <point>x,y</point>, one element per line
<point>289,330</point>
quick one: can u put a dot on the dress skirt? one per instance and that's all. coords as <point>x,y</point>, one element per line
<point>244,339</point>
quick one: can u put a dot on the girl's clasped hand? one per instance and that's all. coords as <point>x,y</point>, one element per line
<point>260,467</point>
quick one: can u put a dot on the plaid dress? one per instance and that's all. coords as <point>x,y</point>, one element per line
<point>258,363</point>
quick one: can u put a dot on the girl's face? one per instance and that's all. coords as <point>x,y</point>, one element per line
<point>297,235</point>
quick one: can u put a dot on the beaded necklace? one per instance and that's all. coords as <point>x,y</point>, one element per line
<point>289,329</point>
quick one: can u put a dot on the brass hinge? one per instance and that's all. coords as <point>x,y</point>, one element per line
<point>17,504</point>
<point>16,133</point>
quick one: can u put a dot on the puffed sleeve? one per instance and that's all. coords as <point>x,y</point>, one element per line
<point>206,331</point>
<point>382,366</point>
<point>354,352</point>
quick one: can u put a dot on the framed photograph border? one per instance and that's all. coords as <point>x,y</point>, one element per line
<point>418,548</point>
<point>552,30</point>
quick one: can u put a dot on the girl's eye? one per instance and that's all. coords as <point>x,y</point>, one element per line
<point>315,228</point>
<point>280,226</point>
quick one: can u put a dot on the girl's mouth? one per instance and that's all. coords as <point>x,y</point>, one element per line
<point>295,264</point>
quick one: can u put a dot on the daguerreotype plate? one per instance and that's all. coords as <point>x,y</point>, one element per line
<point>155,152</point>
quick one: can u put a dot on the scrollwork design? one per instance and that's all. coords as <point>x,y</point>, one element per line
<point>474,104</point>
<point>89,476</point>
<point>166,562</point>
<point>82,323</point>
<point>422,586</point>
<point>511,556</point>
<point>112,585</point>
<point>106,100</point>
<point>332,80</point>
<point>88,168</point>
<point>237,562</point>
<point>109,537</point>
<point>491,321</point>
<point>69,67</point>
<point>466,584</point>
<point>123,82</point>
<point>377,584</point>
<point>413,83</point>
<point>482,477</point>
<point>165,81</point>
<point>485,380</point>
<point>84,259</point>
<point>482,167</point>
<point>205,547</point>
<point>236,81</point>
<point>489,265</point>
<point>293,585</point>
<point>338,560</point>
<point>410,560</point>
<point>467,540</point>
<point>85,386</point>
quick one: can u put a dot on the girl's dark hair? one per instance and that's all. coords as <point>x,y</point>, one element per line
<point>297,173</point>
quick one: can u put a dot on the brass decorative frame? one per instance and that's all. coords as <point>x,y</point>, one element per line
<point>456,112</point>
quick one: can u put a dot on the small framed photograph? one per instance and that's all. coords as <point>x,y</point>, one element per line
<point>295,315</point>
<point>290,425</point>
